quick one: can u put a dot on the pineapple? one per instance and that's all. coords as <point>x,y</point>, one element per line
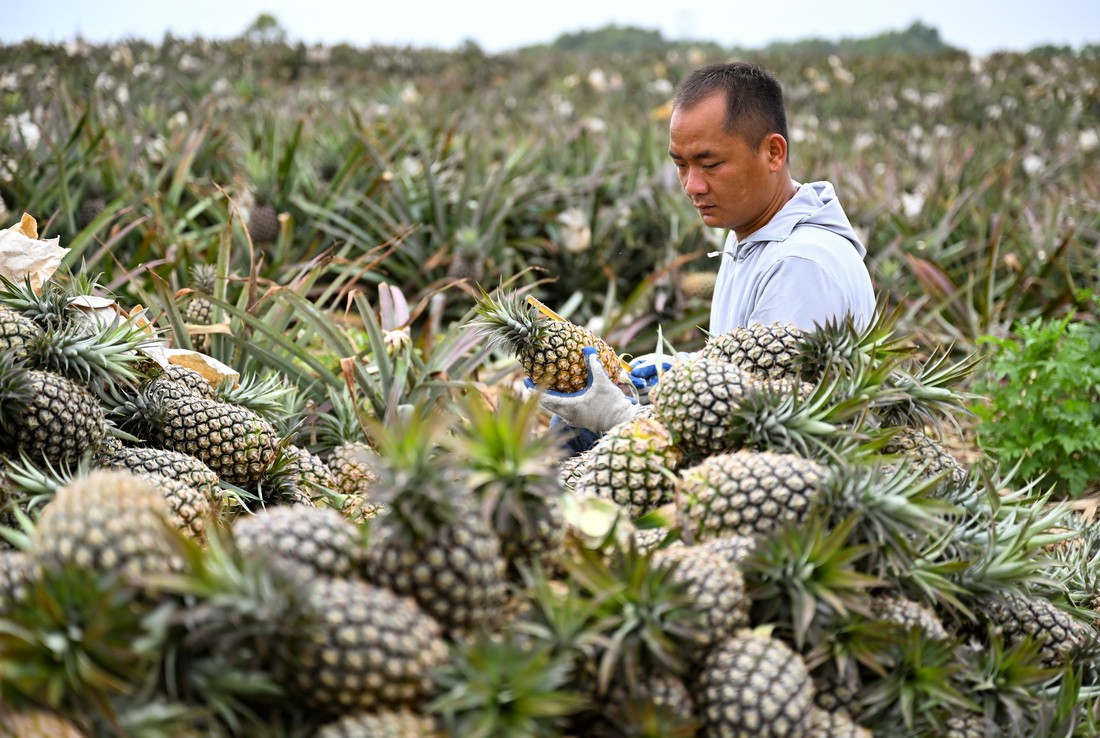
<point>236,443</point>
<point>764,350</point>
<point>825,724</point>
<point>909,614</point>
<point>747,493</point>
<point>660,706</point>
<point>394,723</point>
<point>1021,616</point>
<point>716,589</point>
<point>511,471</point>
<point>550,351</point>
<point>15,580</point>
<point>698,286</point>
<point>931,458</point>
<point>712,406</point>
<point>110,521</point>
<point>165,463</point>
<point>47,416</point>
<point>177,382</point>
<point>633,464</point>
<point>190,509</point>
<point>970,726</point>
<point>735,550</point>
<point>199,310</point>
<point>432,542</point>
<point>316,541</point>
<point>352,463</point>
<point>754,685</point>
<point>263,221</point>
<point>16,331</point>
<point>369,649</point>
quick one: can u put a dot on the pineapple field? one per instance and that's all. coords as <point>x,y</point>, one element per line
<point>268,465</point>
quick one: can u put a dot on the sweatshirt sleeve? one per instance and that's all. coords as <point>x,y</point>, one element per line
<point>799,291</point>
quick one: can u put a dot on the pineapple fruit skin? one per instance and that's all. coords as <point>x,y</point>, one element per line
<point>59,420</point>
<point>753,685</point>
<point>766,350</point>
<point>747,493</point>
<point>110,521</point>
<point>315,541</point>
<point>399,723</point>
<point>371,649</point>
<point>457,574</point>
<point>631,464</point>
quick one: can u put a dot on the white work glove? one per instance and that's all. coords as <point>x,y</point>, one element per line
<point>600,406</point>
<point>646,370</point>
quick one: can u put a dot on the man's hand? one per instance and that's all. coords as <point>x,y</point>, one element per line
<point>600,406</point>
<point>647,369</point>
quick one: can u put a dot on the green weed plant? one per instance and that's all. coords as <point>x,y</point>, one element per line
<point>1040,402</point>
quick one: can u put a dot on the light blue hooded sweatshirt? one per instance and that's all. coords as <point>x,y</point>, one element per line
<point>804,267</point>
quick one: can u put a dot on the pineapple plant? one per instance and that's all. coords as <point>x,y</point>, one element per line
<point>432,542</point>
<point>753,684</point>
<point>1021,616</point>
<point>550,351</point>
<point>634,465</point>
<point>510,468</point>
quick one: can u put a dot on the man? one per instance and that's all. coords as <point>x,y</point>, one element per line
<point>791,255</point>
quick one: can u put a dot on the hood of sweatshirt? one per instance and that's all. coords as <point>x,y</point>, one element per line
<point>814,204</point>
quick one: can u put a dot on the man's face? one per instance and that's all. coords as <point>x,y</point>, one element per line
<point>731,184</point>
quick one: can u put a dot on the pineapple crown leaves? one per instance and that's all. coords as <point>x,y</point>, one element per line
<point>894,510</point>
<point>768,417</point>
<point>48,308</point>
<point>648,619</point>
<point>110,355</point>
<point>923,680</point>
<point>510,465</point>
<point>506,320</point>
<point>418,482</point>
<point>28,485</point>
<point>78,640</point>
<point>503,686</point>
<point>559,614</point>
<point>928,393</point>
<point>840,346</point>
<point>269,396</point>
<point>806,575</point>
<point>14,389</point>
<point>343,423</point>
<point>229,624</point>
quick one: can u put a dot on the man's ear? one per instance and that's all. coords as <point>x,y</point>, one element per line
<point>775,149</point>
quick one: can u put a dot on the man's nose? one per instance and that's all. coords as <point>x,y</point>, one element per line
<point>694,184</point>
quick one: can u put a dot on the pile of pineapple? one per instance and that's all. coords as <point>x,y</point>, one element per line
<point>777,546</point>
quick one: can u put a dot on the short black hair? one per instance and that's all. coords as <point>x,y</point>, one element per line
<point>754,98</point>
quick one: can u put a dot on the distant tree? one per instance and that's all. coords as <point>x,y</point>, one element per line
<point>265,30</point>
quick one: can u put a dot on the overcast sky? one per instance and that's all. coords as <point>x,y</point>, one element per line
<point>979,26</point>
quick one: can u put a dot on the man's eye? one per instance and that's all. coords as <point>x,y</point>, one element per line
<point>711,166</point>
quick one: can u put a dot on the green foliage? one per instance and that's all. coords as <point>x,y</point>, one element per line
<point>1042,401</point>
